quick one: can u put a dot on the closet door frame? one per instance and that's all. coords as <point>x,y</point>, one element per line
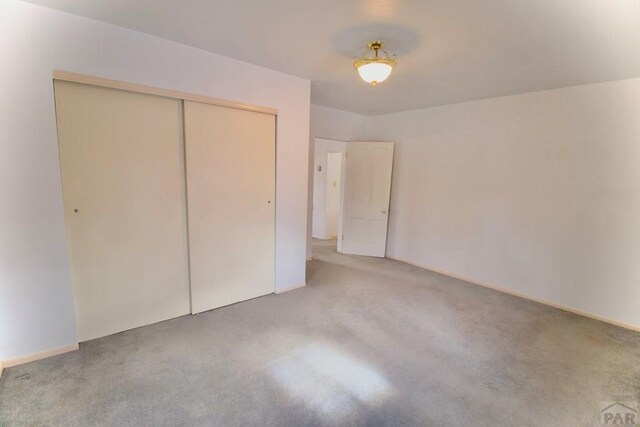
<point>150,90</point>
<point>67,76</point>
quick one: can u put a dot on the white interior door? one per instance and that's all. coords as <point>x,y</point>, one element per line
<point>121,156</point>
<point>231,204</point>
<point>367,187</point>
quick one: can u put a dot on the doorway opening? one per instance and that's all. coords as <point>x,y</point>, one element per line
<point>328,175</point>
<point>351,198</point>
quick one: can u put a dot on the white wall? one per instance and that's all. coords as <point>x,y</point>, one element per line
<point>36,306</point>
<point>536,193</point>
<point>329,123</point>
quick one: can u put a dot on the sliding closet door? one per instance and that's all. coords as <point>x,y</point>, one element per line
<point>231,189</point>
<point>122,164</point>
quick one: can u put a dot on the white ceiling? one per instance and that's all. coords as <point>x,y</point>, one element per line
<point>448,51</point>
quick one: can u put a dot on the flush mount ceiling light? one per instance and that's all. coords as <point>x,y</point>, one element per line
<point>374,68</point>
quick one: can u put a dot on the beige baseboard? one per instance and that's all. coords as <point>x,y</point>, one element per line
<point>291,288</point>
<point>520,295</point>
<point>8,363</point>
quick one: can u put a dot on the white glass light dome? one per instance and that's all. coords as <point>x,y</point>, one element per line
<point>374,72</point>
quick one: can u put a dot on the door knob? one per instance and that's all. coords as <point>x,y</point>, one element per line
<point>383,211</point>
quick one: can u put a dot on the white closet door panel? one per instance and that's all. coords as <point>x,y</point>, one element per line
<point>122,165</point>
<point>231,204</point>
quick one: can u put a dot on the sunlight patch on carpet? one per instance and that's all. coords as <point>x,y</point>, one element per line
<point>329,381</point>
